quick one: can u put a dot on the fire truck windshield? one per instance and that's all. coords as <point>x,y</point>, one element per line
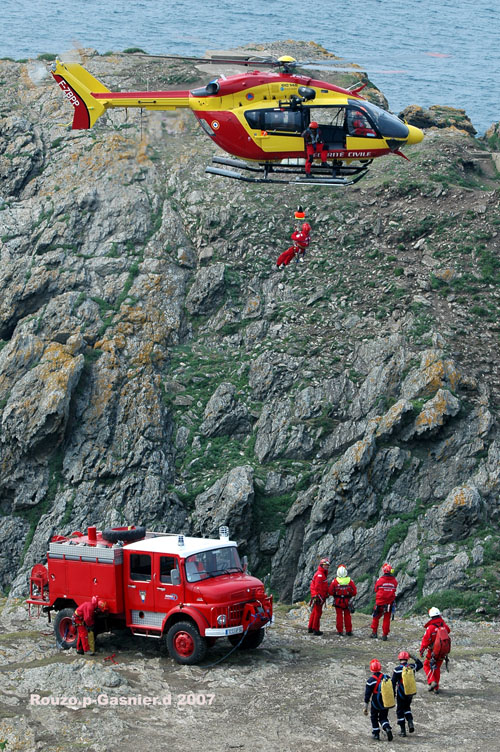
<point>212,563</point>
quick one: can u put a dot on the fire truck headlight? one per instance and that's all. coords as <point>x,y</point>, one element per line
<point>221,620</point>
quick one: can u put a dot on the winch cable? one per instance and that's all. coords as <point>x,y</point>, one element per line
<point>235,647</point>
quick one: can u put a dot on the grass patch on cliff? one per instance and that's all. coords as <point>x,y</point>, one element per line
<point>270,511</point>
<point>464,600</point>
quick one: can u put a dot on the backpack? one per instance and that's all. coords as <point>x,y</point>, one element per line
<point>386,691</point>
<point>409,683</point>
<point>442,644</point>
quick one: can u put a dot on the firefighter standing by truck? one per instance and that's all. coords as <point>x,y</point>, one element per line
<point>385,599</point>
<point>84,619</point>
<point>342,588</point>
<point>319,594</point>
<point>437,643</point>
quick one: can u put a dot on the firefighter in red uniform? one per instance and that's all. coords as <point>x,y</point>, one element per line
<point>432,666</point>
<point>319,594</point>
<point>385,598</point>
<point>313,141</point>
<point>301,239</point>
<point>84,620</point>
<point>343,589</point>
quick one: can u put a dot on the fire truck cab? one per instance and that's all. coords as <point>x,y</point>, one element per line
<point>188,591</point>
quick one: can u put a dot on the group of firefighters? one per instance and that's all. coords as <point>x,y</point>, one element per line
<point>342,588</point>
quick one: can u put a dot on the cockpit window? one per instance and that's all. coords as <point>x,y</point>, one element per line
<point>387,124</point>
<point>358,124</point>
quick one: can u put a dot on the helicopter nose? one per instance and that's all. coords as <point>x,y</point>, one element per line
<point>415,135</point>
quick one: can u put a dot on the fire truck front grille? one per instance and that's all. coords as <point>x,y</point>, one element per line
<point>235,614</point>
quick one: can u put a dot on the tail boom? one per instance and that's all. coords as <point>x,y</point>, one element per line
<point>90,98</point>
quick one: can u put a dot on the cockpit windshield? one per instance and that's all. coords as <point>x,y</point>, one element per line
<point>387,124</point>
<point>212,563</point>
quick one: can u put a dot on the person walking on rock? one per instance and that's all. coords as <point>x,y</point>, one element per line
<point>437,643</point>
<point>319,594</point>
<point>385,598</point>
<point>342,588</point>
<point>403,681</point>
<point>84,620</point>
<point>379,714</point>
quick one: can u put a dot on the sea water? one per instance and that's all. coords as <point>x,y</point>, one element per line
<point>422,52</point>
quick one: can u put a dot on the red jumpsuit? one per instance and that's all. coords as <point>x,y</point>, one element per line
<point>319,591</point>
<point>301,241</point>
<point>343,589</point>
<point>83,618</point>
<point>433,671</point>
<point>385,595</point>
<point>313,141</point>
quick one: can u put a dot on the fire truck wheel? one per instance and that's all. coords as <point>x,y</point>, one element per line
<point>64,629</point>
<point>185,644</point>
<point>250,641</point>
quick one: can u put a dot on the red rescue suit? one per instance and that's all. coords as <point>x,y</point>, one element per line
<point>432,667</point>
<point>319,594</point>
<point>301,241</point>
<point>343,589</point>
<point>385,595</point>
<point>84,618</point>
<point>313,141</point>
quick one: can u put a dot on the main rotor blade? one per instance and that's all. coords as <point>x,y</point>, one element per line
<point>215,60</point>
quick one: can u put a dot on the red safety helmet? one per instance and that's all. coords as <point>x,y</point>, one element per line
<point>103,606</point>
<point>313,124</point>
<point>306,228</point>
<point>324,562</point>
<point>387,569</point>
<point>404,656</point>
<point>375,665</point>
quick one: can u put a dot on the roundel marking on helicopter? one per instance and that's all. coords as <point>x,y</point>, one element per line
<point>250,96</point>
<point>215,124</point>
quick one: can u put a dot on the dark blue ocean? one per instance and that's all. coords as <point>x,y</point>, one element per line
<point>446,51</point>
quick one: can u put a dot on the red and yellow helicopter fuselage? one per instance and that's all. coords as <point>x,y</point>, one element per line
<point>258,116</point>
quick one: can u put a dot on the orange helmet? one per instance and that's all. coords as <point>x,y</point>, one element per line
<point>404,656</point>
<point>375,665</point>
<point>313,124</point>
<point>300,213</point>
<point>387,569</point>
<point>103,606</point>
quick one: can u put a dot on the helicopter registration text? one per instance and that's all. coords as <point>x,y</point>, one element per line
<point>69,93</point>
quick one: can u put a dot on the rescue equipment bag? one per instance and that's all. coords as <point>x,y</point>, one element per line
<point>386,691</point>
<point>442,644</point>
<point>409,683</point>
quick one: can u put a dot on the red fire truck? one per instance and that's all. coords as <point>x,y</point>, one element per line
<point>187,591</point>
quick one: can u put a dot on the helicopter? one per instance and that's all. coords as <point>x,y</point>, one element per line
<point>259,118</point>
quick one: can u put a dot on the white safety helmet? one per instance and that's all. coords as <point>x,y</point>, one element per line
<point>434,612</point>
<point>341,571</point>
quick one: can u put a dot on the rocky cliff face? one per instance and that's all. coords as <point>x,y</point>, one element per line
<point>157,369</point>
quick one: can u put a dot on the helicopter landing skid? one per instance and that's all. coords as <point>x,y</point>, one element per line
<point>271,173</point>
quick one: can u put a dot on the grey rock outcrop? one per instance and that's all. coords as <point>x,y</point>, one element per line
<point>156,369</point>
